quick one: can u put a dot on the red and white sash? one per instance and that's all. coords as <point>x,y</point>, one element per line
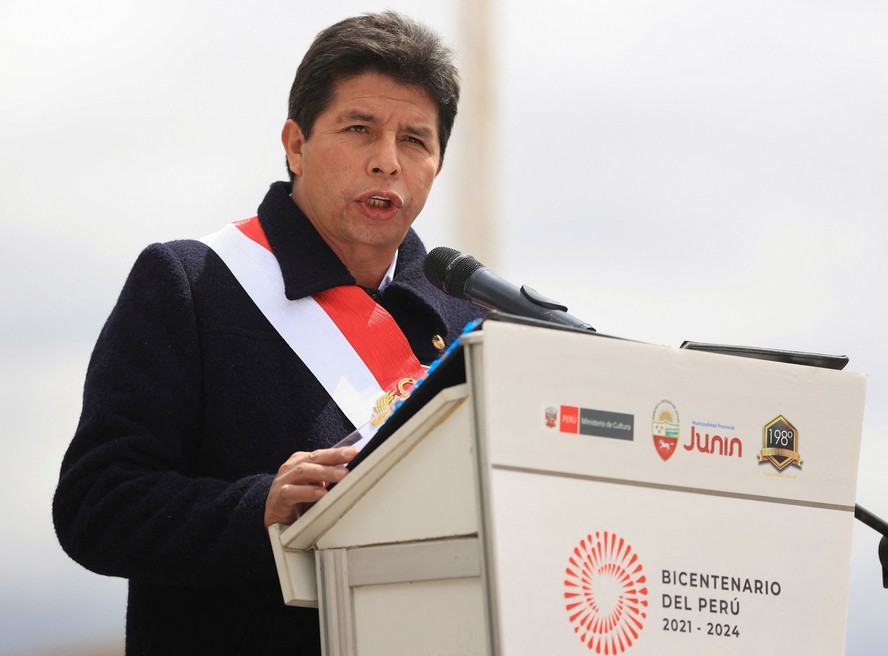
<point>348,341</point>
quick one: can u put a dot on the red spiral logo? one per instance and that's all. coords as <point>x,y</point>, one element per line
<point>605,593</point>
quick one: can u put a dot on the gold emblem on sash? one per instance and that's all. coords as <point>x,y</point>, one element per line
<point>385,404</point>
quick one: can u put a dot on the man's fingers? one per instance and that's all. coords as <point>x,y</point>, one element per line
<point>302,480</point>
<point>293,494</point>
<point>337,456</point>
<point>308,473</point>
<point>321,466</point>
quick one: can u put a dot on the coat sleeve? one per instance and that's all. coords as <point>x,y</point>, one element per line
<point>128,503</point>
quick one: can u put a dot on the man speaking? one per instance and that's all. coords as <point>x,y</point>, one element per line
<point>230,365</point>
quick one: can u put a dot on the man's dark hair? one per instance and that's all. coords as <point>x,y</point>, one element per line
<point>386,43</point>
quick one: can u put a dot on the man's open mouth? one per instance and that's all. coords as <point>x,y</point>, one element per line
<point>379,202</point>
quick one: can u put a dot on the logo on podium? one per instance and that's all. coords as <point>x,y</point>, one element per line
<point>605,593</point>
<point>780,444</point>
<point>665,429</point>
<point>551,417</point>
<point>593,422</point>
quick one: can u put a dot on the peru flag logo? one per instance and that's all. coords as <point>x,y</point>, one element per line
<point>570,419</point>
<point>665,429</point>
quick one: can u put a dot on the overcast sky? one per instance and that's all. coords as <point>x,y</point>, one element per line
<point>701,170</point>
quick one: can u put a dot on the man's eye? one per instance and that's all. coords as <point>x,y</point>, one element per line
<point>418,142</point>
<point>358,128</point>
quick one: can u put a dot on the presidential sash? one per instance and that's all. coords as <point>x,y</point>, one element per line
<point>348,341</point>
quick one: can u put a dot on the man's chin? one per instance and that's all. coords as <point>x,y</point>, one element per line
<point>381,236</point>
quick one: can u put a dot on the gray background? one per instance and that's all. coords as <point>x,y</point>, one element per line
<point>713,171</point>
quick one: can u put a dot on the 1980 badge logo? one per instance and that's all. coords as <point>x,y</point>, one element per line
<point>780,444</point>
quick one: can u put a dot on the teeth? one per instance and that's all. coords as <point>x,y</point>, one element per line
<point>376,201</point>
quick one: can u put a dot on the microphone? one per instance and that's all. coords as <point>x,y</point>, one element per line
<point>462,276</point>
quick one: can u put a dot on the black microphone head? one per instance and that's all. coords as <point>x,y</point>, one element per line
<point>448,270</point>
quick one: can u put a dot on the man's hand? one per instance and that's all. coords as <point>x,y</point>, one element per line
<point>302,480</point>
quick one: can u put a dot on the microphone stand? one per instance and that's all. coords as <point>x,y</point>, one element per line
<point>879,525</point>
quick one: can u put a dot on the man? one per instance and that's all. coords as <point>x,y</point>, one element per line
<point>221,359</point>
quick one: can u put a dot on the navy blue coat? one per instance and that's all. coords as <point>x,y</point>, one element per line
<point>192,402</point>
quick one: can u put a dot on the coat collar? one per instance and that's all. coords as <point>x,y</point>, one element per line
<point>310,266</point>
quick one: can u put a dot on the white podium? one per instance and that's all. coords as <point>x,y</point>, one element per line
<point>578,494</point>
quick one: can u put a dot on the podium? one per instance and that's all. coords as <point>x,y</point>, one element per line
<point>567,493</point>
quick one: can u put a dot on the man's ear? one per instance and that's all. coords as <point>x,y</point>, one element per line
<point>293,139</point>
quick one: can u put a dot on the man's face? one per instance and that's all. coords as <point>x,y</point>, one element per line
<point>365,173</point>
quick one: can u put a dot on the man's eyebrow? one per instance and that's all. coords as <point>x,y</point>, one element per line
<point>355,115</point>
<point>421,131</point>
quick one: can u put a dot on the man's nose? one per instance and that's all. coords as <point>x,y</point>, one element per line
<point>384,157</point>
